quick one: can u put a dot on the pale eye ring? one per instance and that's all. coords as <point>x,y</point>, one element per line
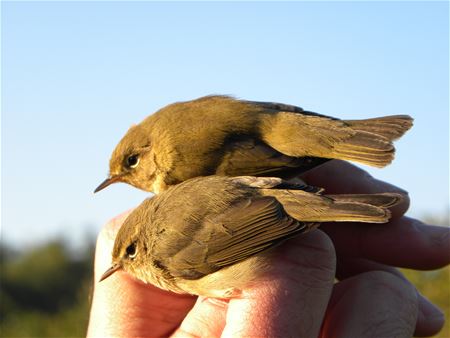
<point>133,161</point>
<point>131,250</point>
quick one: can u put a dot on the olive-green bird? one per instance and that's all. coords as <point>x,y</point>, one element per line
<point>220,135</point>
<point>211,236</point>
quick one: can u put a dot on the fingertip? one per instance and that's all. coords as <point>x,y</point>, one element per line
<point>372,304</point>
<point>319,245</point>
<point>430,319</point>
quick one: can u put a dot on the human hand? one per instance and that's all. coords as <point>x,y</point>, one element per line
<point>123,306</point>
<point>292,301</point>
<point>403,242</point>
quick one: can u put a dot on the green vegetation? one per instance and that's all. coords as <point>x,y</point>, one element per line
<point>435,285</point>
<point>45,292</point>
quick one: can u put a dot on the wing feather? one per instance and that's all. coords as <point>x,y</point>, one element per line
<point>246,228</point>
<point>255,158</point>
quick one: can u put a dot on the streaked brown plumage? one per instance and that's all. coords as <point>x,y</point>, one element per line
<point>211,235</point>
<point>219,135</point>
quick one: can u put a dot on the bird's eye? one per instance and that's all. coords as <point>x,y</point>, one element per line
<point>131,250</point>
<point>132,161</point>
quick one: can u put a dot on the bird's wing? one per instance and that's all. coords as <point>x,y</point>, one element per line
<point>246,228</point>
<point>281,107</point>
<point>255,158</point>
<point>365,141</point>
<point>276,106</point>
<point>276,183</point>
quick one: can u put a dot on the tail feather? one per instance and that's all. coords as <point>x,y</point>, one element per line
<point>307,207</point>
<point>384,200</point>
<point>390,127</point>
<point>365,141</point>
<point>355,212</point>
<point>371,143</point>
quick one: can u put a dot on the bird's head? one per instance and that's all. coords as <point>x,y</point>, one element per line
<point>130,250</point>
<point>132,161</point>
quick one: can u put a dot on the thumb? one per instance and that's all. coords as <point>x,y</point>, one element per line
<point>123,306</point>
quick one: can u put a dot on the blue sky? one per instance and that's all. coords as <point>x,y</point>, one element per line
<point>76,75</point>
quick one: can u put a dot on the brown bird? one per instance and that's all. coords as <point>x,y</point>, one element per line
<point>220,135</point>
<point>211,236</point>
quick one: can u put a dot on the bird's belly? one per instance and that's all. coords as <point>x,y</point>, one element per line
<point>230,281</point>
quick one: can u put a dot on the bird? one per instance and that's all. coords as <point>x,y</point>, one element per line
<point>221,135</point>
<point>212,236</point>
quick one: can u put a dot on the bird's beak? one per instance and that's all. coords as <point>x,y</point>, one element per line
<point>108,181</point>
<point>110,271</point>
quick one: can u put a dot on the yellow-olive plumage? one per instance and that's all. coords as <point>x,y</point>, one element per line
<point>220,135</point>
<point>211,235</point>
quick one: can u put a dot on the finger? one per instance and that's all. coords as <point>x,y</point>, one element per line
<point>372,304</point>
<point>291,300</point>
<point>206,319</point>
<point>430,319</point>
<point>403,242</point>
<point>123,306</point>
<point>340,177</point>
<point>300,266</point>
